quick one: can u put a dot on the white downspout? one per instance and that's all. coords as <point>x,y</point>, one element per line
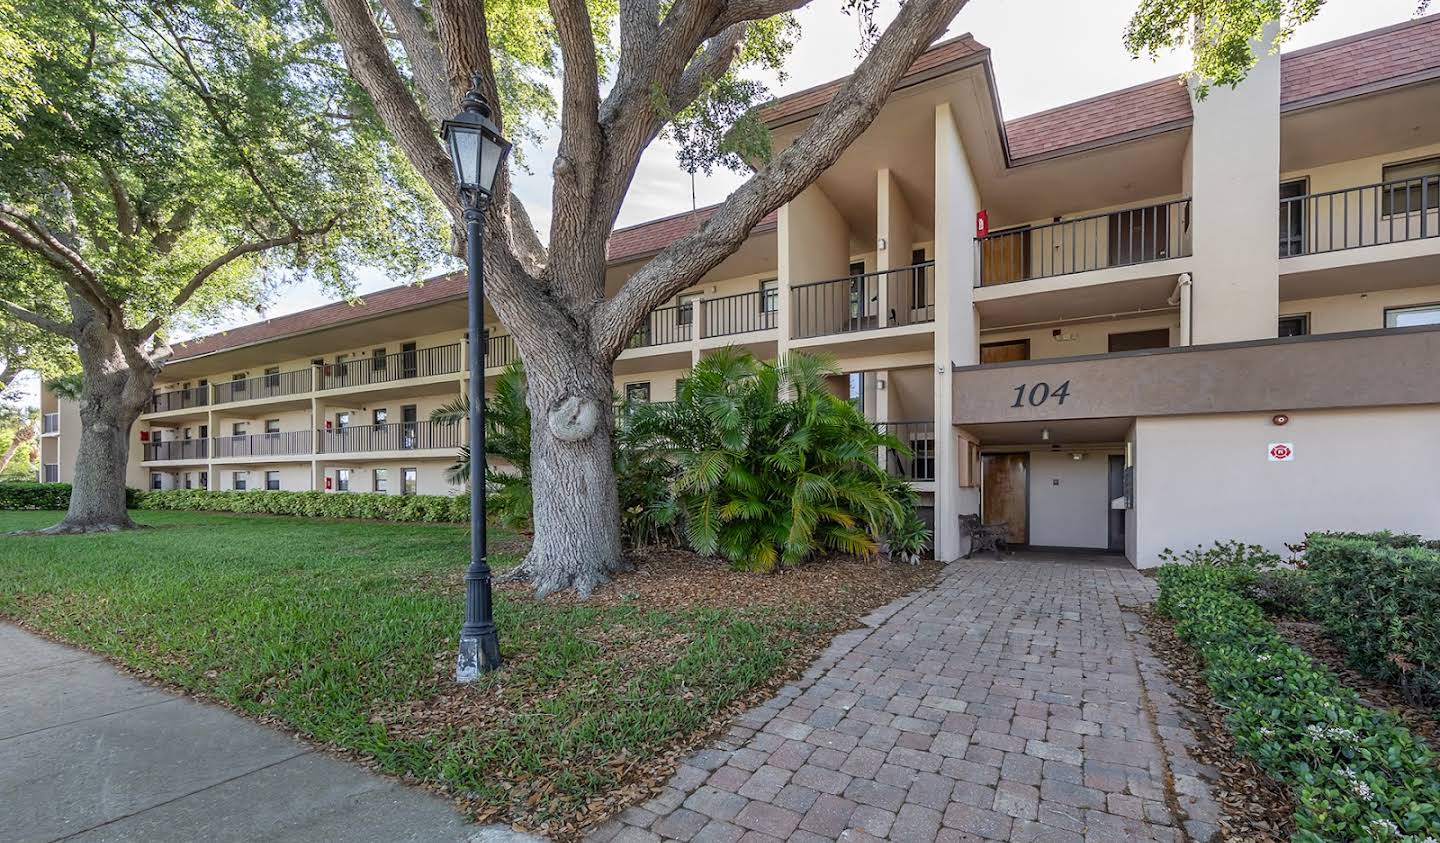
<point>1181,296</point>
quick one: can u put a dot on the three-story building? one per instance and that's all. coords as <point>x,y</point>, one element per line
<point>1129,323</point>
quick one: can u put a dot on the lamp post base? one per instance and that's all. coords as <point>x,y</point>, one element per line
<point>478,654</point>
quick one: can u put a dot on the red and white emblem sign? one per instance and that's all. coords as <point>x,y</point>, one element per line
<point>1282,452</point>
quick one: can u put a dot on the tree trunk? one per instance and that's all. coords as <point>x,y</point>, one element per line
<point>572,475</point>
<point>22,435</point>
<point>112,397</point>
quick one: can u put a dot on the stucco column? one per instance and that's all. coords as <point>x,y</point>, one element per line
<point>894,227</point>
<point>957,326</point>
<point>1235,177</point>
<point>814,245</point>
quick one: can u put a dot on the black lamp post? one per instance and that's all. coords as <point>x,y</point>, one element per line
<point>477,151</point>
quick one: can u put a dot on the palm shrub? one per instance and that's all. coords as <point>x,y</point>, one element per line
<point>507,438</point>
<point>772,467</point>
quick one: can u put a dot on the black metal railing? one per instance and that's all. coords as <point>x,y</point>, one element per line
<point>500,351</point>
<point>665,325</point>
<point>385,368</point>
<point>919,438</point>
<point>50,423</point>
<point>178,449</point>
<point>1369,215</point>
<point>50,473</point>
<point>290,443</point>
<point>854,303</point>
<point>270,385</point>
<point>738,314</point>
<point>1118,238</point>
<point>180,399</point>
<point>398,436</point>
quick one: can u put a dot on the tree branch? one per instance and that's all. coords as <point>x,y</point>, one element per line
<point>30,234</point>
<point>124,211</point>
<point>844,118</point>
<point>579,245</point>
<point>427,64</point>
<point>742,11</point>
<point>44,323</point>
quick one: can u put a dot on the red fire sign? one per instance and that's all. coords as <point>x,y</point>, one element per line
<point>1281,452</point>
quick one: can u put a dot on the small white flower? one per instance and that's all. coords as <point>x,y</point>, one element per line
<point>1385,828</point>
<point>1263,657</point>
<point>1266,732</point>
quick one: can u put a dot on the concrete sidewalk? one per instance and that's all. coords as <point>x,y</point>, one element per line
<point>89,754</point>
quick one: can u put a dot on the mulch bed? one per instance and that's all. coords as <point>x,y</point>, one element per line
<point>1377,693</point>
<point>825,592</point>
<point>1254,809</point>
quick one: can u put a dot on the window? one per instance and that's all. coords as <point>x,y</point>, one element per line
<point>189,480</point>
<point>272,426</point>
<point>342,421</point>
<point>342,479</point>
<point>272,377</point>
<point>382,415</point>
<point>382,480</point>
<point>922,459</point>
<point>205,480</point>
<point>1410,187</point>
<point>857,290</point>
<point>237,428</point>
<point>272,481</point>
<point>685,315</point>
<point>1137,340</point>
<point>237,384</point>
<point>377,360</point>
<point>635,392</point>
<point>156,482</point>
<point>919,286</point>
<point>239,479</point>
<point>186,433</point>
<point>409,479</point>
<point>1405,317</point>
<point>1297,325</point>
<point>1292,217</point>
<point>770,295</point>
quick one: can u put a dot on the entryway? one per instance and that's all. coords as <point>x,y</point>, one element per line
<point>1056,497</point>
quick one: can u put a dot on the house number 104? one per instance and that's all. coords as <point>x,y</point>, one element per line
<point>1040,393</point>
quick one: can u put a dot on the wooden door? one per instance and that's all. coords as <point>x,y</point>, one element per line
<point>1004,493</point>
<point>1005,257</point>
<point>1004,352</point>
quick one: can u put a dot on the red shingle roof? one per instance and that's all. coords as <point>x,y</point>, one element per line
<point>1148,106</point>
<point>960,47</point>
<point>650,237</point>
<point>1395,54</point>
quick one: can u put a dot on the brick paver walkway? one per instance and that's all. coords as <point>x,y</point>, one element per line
<point>1014,701</point>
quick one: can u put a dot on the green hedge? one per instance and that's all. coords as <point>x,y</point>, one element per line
<point>428,508</point>
<point>1378,597</point>
<point>43,496</point>
<point>1356,773</point>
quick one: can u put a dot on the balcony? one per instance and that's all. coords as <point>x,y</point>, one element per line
<point>745,313</point>
<point>919,437</point>
<point>293,443</point>
<point>665,326</point>
<point>50,423</point>
<point>408,364</point>
<point>180,399</point>
<point>1127,237</point>
<point>177,449</point>
<point>500,352</point>
<point>402,436</point>
<point>269,385</point>
<point>849,305</point>
<point>1369,215</point>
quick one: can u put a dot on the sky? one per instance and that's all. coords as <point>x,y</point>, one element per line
<point>1045,53</point>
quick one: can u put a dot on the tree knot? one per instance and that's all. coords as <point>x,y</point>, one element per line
<point>574,419</point>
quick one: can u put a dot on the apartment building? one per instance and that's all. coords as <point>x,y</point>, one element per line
<point>1129,323</point>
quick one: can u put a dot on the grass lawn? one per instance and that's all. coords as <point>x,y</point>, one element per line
<point>345,632</point>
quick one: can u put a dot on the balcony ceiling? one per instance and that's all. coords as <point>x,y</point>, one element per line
<point>1360,127</point>
<point>1063,432</point>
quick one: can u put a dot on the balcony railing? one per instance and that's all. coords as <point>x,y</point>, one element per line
<point>664,326</point>
<point>180,399</point>
<point>739,314</point>
<point>1370,215</point>
<point>271,385</point>
<point>386,368</point>
<point>844,305</point>
<point>400,436</point>
<point>178,449</point>
<point>919,437</point>
<point>500,352</point>
<point>292,443</point>
<point>50,423</point>
<point>1118,238</point>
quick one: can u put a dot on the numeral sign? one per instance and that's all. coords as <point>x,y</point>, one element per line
<point>1038,394</point>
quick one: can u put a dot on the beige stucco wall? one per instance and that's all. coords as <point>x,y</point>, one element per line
<point>1357,311</point>
<point>1069,499</point>
<point>1083,337</point>
<point>814,246</point>
<point>662,383</point>
<point>1203,478</point>
<point>430,475</point>
<point>294,476</point>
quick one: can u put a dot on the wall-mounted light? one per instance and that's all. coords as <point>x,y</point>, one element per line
<point>1044,434</point>
<point>882,244</point>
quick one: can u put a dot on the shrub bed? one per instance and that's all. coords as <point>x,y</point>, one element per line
<point>425,508</point>
<point>1356,773</point>
<point>1378,597</point>
<point>23,496</point>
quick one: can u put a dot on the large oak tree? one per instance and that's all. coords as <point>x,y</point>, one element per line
<point>675,68</point>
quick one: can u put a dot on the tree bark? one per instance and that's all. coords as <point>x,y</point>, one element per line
<point>572,475</point>
<point>113,395</point>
